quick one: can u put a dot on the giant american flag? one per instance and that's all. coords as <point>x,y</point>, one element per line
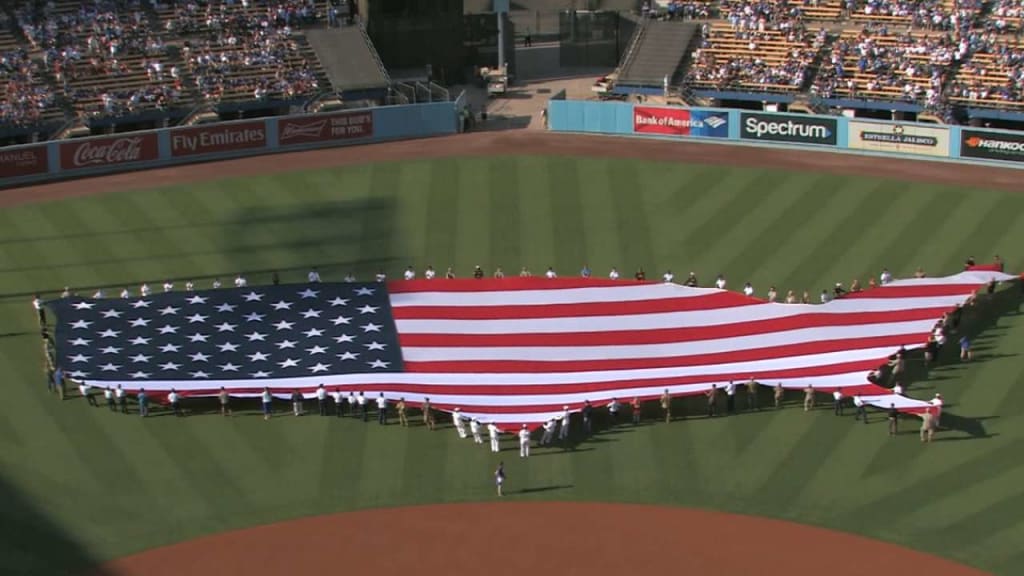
<point>511,351</point>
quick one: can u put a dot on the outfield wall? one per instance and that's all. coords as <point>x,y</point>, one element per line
<point>822,132</point>
<point>153,148</point>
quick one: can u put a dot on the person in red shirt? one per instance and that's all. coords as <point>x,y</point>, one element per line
<point>640,276</point>
<point>635,405</point>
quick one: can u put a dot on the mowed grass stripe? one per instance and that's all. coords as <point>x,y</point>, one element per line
<point>765,201</point>
<point>604,245</point>
<point>473,244</point>
<point>411,212</point>
<point>570,231</point>
<point>441,215</point>
<point>537,223</point>
<point>505,220</point>
<point>737,200</point>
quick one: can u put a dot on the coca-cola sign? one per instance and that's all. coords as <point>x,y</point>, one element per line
<point>25,161</point>
<point>108,151</point>
<point>324,128</point>
<point>218,138</point>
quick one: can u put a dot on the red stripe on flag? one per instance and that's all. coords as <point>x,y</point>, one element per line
<point>755,354</point>
<point>667,335</point>
<point>575,310</point>
<point>912,291</point>
<point>503,284</point>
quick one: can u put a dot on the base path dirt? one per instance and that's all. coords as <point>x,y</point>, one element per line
<point>538,143</point>
<point>523,538</point>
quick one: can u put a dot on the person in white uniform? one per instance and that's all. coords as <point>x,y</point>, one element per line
<point>430,273</point>
<point>563,432</point>
<point>549,432</point>
<point>460,424</point>
<point>144,290</point>
<point>313,276</point>
<point>168,286</point>
<point>937,409</point>
<point>474,428</point>
<point>524,442</point>
<point>409,274</point>
<point>613,275</point>
<point>668,277</point>
<point>492,431</point>
<point>748,289</point>
<point>240,281</point>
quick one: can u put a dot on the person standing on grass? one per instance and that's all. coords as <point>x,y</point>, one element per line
<point>666,405</point>
<point>937,409</point>
<point>224,398</point>
<point>382,410</point>
<point>474,428</point>
<point>862,413</point>
<point>321,399</point>
<point>563,432</point>
<point>297,402</point>
<point>339,402</point>
<point>809,398</point>
<point>37,303</point>
<point>894,420</point>
<point>403,420</point>
<point>351,403</point>
<point>143,401</point>
<point>730,397</point>
<point>524,442</point>
<point>499,477</point>
<point>492,432</point>
<point>588,418</point>
<point>897,389</point>
<point>752,395</point>
<point>927,425</point>
<point>267,401</point>
<point>86,391</point>
<point>361,401</point>
<point>635,406</point>
<point>460,424</point>
<point>837,402</point>
<point>428,414</point>
<point>109,395</point>
<point>549,432</point>
<point>122,399</point>
<point>613,410</point>
<point>780,394</point>
<point>966,354</point>
<point>175,401</point>
<point>58,378</point>
<point>712,396</point>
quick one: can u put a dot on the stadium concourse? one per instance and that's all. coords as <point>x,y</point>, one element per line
<point>509,351</point>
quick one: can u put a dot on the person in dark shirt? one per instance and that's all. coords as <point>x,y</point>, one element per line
<point>955,317</point>
<point>588,413</point>
<point>969,263</point>
<point>691,280</point>
<point>640,275</point>
<point>894,419</point>
<point>276,279</point>
<point>478,273</point>
<point>839,291</point>
<point>991,288</point>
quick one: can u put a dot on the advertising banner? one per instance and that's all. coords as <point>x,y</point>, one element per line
<point>680,122</point>
<point>992,145</point>
<point>218,138</point>
<point>108,151</point>
<point>325,128</point>
<point>820,130</point>
<point>900,138</point>
<point>27,161</point>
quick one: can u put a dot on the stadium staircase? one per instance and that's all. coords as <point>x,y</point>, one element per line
<point>350,61</point>
<point>658,49</point>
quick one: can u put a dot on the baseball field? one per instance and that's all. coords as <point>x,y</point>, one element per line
<point>84,486</point>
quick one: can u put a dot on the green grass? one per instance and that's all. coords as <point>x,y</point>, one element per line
<point>84,485</point>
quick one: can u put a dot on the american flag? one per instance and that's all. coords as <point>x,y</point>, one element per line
<point>511,351</point>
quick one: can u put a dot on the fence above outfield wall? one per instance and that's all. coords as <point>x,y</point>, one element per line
<point>818,131</point>
<point>140,150</point>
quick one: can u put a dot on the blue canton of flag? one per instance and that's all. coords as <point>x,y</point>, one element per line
<point>258,334</point>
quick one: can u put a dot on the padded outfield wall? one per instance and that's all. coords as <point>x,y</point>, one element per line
<point>154,148</point>
<point>1005,148</point>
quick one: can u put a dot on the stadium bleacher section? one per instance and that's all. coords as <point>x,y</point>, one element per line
<point>66,59</point>
<point>930,55</point>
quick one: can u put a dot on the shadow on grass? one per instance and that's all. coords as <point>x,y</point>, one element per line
<point>973,428</point>
<point>308,234</point>
<point>533,490</point>
<point>32,543</point>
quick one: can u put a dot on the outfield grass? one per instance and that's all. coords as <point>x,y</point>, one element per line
<point>95,485</point>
